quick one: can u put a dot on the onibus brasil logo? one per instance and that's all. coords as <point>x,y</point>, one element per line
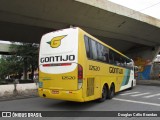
<point>56,41</point>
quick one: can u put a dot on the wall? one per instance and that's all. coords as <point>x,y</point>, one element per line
<point>7,90</point>
<point>143,58</point>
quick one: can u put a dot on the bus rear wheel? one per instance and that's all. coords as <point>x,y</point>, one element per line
<point>111,92</point>
<point>104,94</point>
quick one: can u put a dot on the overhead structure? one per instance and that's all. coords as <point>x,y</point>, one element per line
<point>129,31</point>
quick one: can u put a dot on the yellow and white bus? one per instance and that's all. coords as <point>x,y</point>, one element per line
<point>75,66</point>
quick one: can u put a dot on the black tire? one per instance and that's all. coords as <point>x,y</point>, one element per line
<point>131,86</point>
<point>111,92</point>
<point>104,94</point>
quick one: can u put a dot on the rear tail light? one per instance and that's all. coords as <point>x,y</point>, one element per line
<point>80,76</point>
<point>46,65</point>
<point>65,64</point>
<point>58,64</point>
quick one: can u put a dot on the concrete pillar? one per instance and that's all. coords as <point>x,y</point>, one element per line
<point>143,58</point>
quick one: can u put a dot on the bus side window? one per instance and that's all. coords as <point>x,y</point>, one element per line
<point>94,49</point>
<point>100,52</point>
<point>106,54</point>
<point>103,53</point>
<point>111,57</point>
<point>117,59</point>
<point>123,62</point>
<point>86,39</point>
<point>129,64</point>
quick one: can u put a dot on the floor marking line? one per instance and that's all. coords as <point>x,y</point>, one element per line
<point>128,93</point>
<point>149,96</point>
<point>140,102</point>
<point>140,94</point>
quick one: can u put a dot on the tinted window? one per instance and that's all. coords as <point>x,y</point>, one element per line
<point>94,49</point>
<point>117,60</point>
<point>99,52</point>
<point>87,46</point>
<point>123,61</point>
<point>106,54</point>
<point>129,64</point>
<point>101,57</point>
<point>103,53</point>
<point>111,56</point>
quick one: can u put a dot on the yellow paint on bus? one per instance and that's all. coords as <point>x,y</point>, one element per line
<point>81,68</point>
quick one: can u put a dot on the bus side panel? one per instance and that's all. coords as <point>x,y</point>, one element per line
<point>127,79</point>
<point>82,59</point>
<point>96,74</point>
<point>91,83</point>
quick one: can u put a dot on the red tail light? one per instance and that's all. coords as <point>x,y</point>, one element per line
<point>46,65</point>
<point>80,76</point>
<point>58,64</point>
<point>65,64</point>
<point>80,72</point>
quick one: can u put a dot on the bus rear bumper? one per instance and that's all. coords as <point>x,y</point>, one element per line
<point>61,95</point>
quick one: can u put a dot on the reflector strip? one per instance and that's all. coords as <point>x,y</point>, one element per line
<point>58,64</point>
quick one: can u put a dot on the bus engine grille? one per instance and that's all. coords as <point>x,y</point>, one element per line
<point>90,86</point>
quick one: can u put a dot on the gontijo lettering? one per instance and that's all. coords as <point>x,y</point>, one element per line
<point>59,58</point>
<point>115,70</point>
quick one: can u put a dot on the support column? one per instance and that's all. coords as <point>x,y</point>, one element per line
<point>143,58</point>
